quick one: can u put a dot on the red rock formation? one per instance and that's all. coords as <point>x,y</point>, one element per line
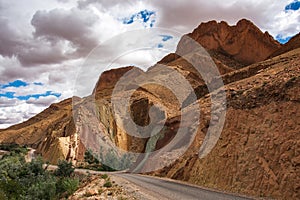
<point>244,42</point>
<point>294,43</point>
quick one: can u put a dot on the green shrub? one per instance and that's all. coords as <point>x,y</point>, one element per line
<point>14,148</point>
<point>107,184</point>
<point>67,186</point>
<point>90,158</point>
<point>65,169</point>
<point>21,180</point>
<point>104,176</point>
<point>2,195</point>
<point>44,188</point>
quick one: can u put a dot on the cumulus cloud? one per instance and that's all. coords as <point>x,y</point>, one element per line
<point>42,101</point>
<point>72,25</point>
<point>104,4</point>
<point>42,54</point>
<point>5,102</point>
<point>11,69</point>
<point>146,17</point>
<point>24,102</point>
<point>17,111</point>
<point>286,24</point>
<point>9,38</point>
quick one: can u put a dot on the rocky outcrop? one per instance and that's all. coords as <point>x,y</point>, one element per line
<point>243,43</point>
<point>293,43</point>
<point>258,151</point>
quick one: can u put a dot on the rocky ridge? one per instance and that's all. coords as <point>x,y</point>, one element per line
<point>293,43</point>
<point>258,151</point>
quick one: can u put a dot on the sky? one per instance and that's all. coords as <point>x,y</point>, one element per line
<point>44,44</point>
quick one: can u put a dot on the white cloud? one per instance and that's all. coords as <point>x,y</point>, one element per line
<point>47,41</point>
<point>17,111</point>
<point>42,101</point>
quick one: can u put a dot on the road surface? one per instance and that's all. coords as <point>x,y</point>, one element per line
<point>164,189</point>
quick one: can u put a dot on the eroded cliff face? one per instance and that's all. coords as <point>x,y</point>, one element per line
<point>258,151</point>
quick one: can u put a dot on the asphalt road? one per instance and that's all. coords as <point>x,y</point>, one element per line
<point>167,189</point>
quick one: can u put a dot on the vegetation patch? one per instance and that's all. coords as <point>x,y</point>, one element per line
<point>21,180</point>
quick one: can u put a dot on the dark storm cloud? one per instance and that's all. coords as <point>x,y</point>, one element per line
<point>71,25</point>
<point>30,52</point>
<point>59,35</point>
<point>41,54</point>
<point>10,41</point>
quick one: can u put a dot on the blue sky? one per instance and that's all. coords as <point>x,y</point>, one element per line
<point>166,37</point>
<point>293,6</point>
<point>282,40</point>
<point>147,17</point>
<point>5,91</point>
<point>16,83</point>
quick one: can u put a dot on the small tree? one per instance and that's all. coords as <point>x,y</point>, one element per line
<point>65,169</point>
<point>90,158</point>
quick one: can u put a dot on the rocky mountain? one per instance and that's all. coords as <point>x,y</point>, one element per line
<point>233,46</point>
<point>49,132</point>
<point>258,150</point>
<point>293,43</point>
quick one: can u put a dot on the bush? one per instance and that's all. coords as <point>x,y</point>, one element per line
<point>107,184</point>
<point>44,188</point>
<point>65,169</point>
<point>67,186</point>
<point>14,148</point>
<point>94,163</point>
<point>104,176</point>
<point>2,195</point>
<point>21,180</point>
<point>90,158</point>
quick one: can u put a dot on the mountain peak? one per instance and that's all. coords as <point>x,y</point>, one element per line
<point>243,42</point>
<point>293,43</point>
<point>245,22</point>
